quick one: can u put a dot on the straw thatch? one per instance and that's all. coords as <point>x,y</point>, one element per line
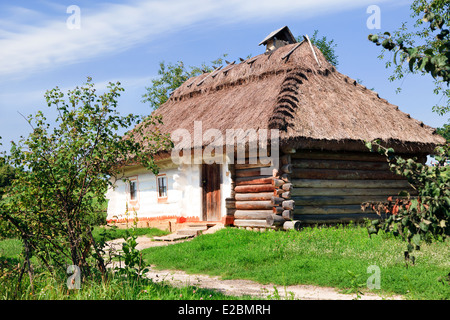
<point>313,105</point>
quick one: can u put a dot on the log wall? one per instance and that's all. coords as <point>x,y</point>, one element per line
<point>262,201</point>
<point>311,187</point>
<point>329,187</point>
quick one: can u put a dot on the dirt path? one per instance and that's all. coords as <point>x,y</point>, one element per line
<point>242,287</point>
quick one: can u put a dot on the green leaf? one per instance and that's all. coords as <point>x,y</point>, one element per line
<point>416,239</point>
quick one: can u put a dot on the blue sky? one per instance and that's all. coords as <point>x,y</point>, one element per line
<point>125,41</point>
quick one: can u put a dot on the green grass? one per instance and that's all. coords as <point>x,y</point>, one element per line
<point>47,287</point>
<point>116,233</point>
<point>50,287</point>
<point>316,256</point>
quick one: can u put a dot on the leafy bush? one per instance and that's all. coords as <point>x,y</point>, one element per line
<point>416,219</point>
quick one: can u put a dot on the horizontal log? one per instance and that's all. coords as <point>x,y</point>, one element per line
<point>334,200</point>
<point>275,220</point>
<point>332,174</point>
<point>277,200</point>
<point>230,211</point>
<point>241,181</point>
<point>323,155</point>
<point>287,168</point>
<point>252,214</point>
<point>286,177</point>
<point>286,195</point>
<point>342,209</point>
<point>339,164</point>
<point>285,159</point>
<point>288,204</point>
<point>253,205</point>
<point>287,214</point>
<point>277,210</point>
<point>278,192</point>
<point>238,161</point>
<point>344,218</point>
<point>251,223</point>
<point>253,172</point>
<point>320,183</point>
<point>348,191</point>
<point>254,188</point>
<point>278,182</point>
<point>292,225</point>
<point>289,150</point>
<point>287,186</point>
<point>251,166</point>
<point>253,196</point>
<point>230,204</point>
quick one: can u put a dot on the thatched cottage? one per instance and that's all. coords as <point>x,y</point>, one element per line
<point>288,103</point>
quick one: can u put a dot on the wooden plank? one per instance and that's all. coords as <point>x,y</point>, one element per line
<point>348,191</point>
<point>336,209</point>
<point>344,218</point>
<point>240,181</point>
<point>252,214</point>
<point>321,183</point>
<point>253,205</point>
<point>339,164</point>
<point>256,188</point>
<point>332,174</point>
<point>253,196</point>
<point>334,200</point>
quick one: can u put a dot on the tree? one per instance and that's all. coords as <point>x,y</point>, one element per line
<point>427,216</point>
<point>425,50</point>
<point>7,174</point>
<point>327,47</point>
<point>64,167</point>
<point>171,76</point>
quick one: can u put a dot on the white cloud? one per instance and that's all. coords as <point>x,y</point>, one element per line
<point>118,27</point>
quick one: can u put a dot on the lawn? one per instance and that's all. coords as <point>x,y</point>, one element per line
<point>337,257</point>
<point>53,287</point>
<point>116,233</point>
<point>333,257</point>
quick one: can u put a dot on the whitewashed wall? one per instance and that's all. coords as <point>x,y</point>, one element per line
<point>184,193</point>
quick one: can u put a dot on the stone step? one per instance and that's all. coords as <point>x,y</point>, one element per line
<point>189,231</point>
<point>173,237</point>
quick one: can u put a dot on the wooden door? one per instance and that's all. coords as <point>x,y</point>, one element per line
<point>211,179</point>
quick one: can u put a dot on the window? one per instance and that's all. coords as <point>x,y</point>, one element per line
<point>162,186</point>
<point>133,190</point>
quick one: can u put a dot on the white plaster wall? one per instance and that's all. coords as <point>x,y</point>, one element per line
<point>184,193</point>
<point>184,201</point>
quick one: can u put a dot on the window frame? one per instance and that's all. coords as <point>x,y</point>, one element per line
<point>133,203</point>
<point>163,177</point>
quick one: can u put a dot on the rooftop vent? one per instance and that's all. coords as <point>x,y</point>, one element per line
<point>278,38</point>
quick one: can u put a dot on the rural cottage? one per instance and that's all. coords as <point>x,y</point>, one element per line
<point>277,137</point>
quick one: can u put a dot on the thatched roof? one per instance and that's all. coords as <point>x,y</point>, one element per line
<point>313,105</point>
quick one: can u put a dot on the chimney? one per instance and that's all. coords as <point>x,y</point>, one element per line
<point>278,38</point>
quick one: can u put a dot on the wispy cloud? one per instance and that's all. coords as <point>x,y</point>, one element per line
<point>110,28</point>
